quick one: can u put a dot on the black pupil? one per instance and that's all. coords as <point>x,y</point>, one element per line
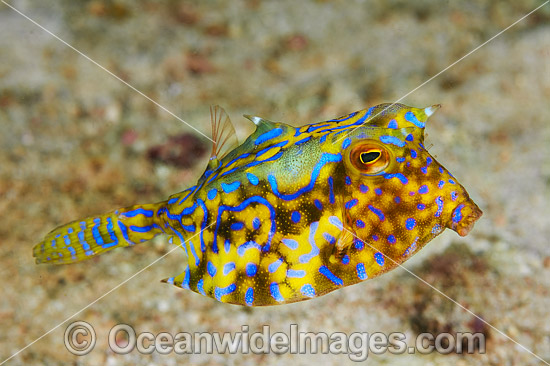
<point>369,157</point>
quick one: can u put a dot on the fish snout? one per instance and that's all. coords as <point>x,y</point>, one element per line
<point>464,217</point>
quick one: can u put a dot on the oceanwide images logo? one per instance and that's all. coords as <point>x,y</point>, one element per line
<point>80,339</point>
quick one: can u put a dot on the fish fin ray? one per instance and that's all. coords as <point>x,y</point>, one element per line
<point>223,133</point>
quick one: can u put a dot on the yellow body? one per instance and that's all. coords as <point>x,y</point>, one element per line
<point>294,213</point>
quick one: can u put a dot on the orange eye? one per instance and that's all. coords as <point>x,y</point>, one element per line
<point>369,158</point>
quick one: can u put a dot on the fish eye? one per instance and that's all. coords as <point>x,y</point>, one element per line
<point>369,157</point>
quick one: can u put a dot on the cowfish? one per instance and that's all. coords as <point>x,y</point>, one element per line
<point>292,213</point>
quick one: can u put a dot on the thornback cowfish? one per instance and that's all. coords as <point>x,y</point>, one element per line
<point>293,212</point>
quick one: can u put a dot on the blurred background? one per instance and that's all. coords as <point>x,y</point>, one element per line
<point>75,141</point>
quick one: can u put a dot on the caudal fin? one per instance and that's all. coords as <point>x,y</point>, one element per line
<point>83,239</point>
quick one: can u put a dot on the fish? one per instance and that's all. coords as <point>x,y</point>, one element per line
<point>292,213</point>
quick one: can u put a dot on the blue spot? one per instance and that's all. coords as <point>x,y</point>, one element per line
<point>409,137</point>
<point>361,274</point>
<point>421,206</point>
<point>200,287</point>
<point>114,239</point>
<point>248,245</point>
<point>194,253</point>
<point>378,191</point>
<point>256,223</point>
<point>436,229</point>
<point>451,181</point>
<point>346,143</point>
<point>411,117</point>
<point>400,159</point>
<point>399,176</point>
<point>318,204</point>
<point>251,269</point>
<point>186,278</point>
<point>423,189</point>
<point>393,124</point>
<point>305,258</point>
<point>172,201</point>
<point>231,187</point>
<point>72,251</point>
<point>211,269</point>
<point>331,190</point>
<point>331,239</point>
<point>391,239</point>
<point>221,291</point>
<point>457,214</point>
<point>424,170</point>
<point>363,188</point>
<point>375,237</point>
<point>275,265</point>
<point>348,180</point>
<point>331,276</point>
<point>440,184</point>
<point>345,259</point>
<point>428,161</point>
<point>360,224</point>
<point>334,220</point>
<point>123,229</point>
<point>252,179</point>
<point>237,226</point>
<point>410,223</point>
<point>268,136</point>
<point>302,140</point>
<point>377,212</point>
<point>227,245</point>
<point>441,170</point>
<point>397,199</point>
<point>379,258</point>
<point>95,232</point>
<point>351,203</point>
<point>386,139</point>
<point>137,211</point>
<point>296,216</point>
<point>142,229</point>
<point>413,154</point>
<point>212,193</point>
<point>454,195</point>
<point>290,243</point>
<point>269,148</point>
<point>275,292</point>
<point>358,243</point>
<point>308,290</point>
<point>439,202</point>
<point>228,268</point>
<point>295,273</point>
<point>249,296</point>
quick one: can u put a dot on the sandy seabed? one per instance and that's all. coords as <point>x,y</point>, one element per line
<point>74,142</point>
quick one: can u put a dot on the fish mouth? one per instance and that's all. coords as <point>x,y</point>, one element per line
<point>464,217</point>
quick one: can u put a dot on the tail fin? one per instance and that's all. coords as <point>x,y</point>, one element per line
<point>83,239</point>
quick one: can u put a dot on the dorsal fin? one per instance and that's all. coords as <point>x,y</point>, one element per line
<point>223,133</point>
<point>262,124</point>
